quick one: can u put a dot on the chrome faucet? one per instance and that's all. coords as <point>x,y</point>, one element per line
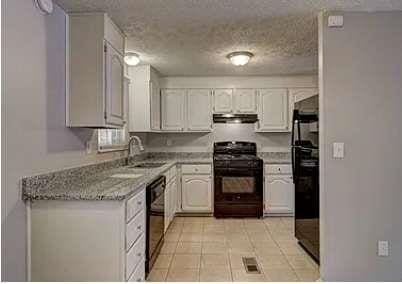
<point>130,142</point>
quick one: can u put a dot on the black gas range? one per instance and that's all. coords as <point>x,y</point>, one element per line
<point>238,174</point>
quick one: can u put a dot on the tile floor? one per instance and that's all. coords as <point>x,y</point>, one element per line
<point>209,249</point>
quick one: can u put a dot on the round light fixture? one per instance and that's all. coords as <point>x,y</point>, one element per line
<point>132,58</point>
<point>44,6</point>
<point>240,58</point>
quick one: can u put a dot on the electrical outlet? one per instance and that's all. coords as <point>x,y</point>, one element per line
<point>88,147</point>
<point>338,150</point>
<point>383,248</point>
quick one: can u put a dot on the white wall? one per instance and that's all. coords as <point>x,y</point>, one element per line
<point>203,142</point>
<point>34,138</point>
<point>361,100</point>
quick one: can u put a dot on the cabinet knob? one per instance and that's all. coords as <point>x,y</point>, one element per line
<point>139,227</point>
<point>139,279</point>
<point>139,202</point>
<point>139,254</point>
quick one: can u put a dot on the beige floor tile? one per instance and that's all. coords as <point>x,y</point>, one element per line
<point>213,260</point>
<point>213,221</point>
<point>214,248</point>
<point>273,262</point>
<point>178,220</point>
<point>237,237</point>
<point>172,237</point>
<point>240,275</point>
<point>289,247</point>
<point>163,261</point>
<point>301,262</point>
<point>260,237</point>
<point>214,237</point>
<point>194,219</point>
<point>175,229</point>
<point>280,275</point>
<point>236,259</point>
<point>279,235</point>
<point>157,275</point>
<point>193,228</point>
<point>190,237</point>
<point>188,248</point>
<point>214,228</point>
<point>308,275</point>
<point>168,247</point>
<point>183,275</point>
<point>267,249</point>
<point>215,274</point>
<point>186,261</point>
<point>240,247</point>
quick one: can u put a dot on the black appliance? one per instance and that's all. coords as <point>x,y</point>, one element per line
<point>235,118</point>
<point>305,165</point>
<point>155,197</point>
<point>238,180</point>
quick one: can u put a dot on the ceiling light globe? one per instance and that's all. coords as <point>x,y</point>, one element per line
<point>240,58</point>
<point>131,58</point>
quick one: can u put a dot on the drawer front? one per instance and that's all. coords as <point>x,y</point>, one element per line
<point>278,169</point>
<point>135,256</point>
<point>134,229</point>
<point>196,169</point>
<point>139,273</point>
<point>135,205</point>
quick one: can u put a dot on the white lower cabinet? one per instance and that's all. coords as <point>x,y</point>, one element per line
<point>88,241</point>
<point>170,196</point>
<point>279,190</point>
<point>196,193</point>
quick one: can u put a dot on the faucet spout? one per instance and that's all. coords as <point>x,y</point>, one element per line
<point>130,142</point>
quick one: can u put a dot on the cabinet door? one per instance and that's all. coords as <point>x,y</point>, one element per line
<point>279,194</point>
<point>196,193</point>
<point>199,109</point>
<point>172,109</point>
<point>223,100</point>
<point>155,105</point>
<point>273,111</point>
<point>245,100</point>
<point>114,90</point>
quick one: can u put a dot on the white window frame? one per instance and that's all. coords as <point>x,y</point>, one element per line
<point>110,146</point>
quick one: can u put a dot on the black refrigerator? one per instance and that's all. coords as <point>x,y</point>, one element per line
<point>305,165</point>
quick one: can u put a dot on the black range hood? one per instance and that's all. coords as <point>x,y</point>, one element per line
<point>235,118</point>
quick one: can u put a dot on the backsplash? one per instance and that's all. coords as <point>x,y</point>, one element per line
<point>203,142</point>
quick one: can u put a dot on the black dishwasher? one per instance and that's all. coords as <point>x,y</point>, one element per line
<point>155,193</point>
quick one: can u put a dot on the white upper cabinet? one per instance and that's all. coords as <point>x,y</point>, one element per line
<point>273,112</point>
<point>172,101</point>
<point>95,72</point>
<point>223,100</point>
<point>299,94</point>
<point>199,110</point>
<point>245,100</point>
<point>144,99</point>
<point>115,102</point>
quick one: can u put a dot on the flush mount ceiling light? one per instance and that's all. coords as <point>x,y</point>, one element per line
<point>132,58</point>
<point>240,58</point>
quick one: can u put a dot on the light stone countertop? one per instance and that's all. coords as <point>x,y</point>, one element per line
<point>95,182</point>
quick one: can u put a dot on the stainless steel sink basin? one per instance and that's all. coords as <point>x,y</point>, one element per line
<point>147,165</point>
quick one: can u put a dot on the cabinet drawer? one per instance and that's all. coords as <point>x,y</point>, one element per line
<point>278,169</point>
<point>134,229</point>
<point>135,205</point>
<point>196,169</point>
<point>139,273</point>
<point>135,256</point>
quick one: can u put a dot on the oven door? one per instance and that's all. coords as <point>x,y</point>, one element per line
<point>238,185</point>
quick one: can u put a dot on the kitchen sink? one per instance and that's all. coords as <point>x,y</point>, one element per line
<point>126,175</point>
<point>148,165</point>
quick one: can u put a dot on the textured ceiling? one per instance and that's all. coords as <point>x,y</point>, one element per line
<point>193,37</point>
